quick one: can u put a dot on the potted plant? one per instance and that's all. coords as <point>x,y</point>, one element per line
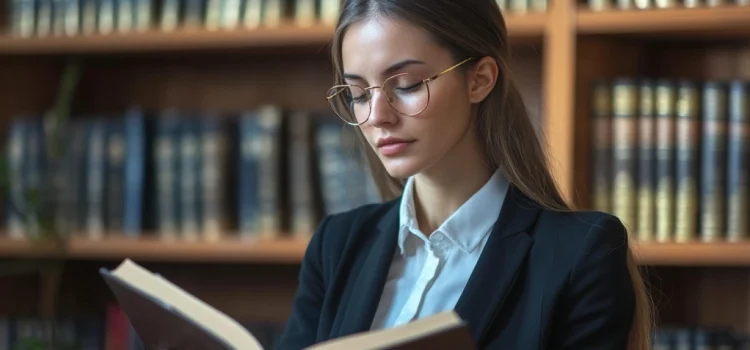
<point>38,209</point>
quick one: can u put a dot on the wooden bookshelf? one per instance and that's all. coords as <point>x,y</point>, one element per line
<point>726,21</point>
<point>291,251</point>
<point>693,254</point>
<point>528,26</point>
<point>228,250</point>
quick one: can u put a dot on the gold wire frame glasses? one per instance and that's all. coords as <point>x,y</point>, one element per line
<point>406,93</point>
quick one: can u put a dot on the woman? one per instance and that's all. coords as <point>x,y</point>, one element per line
<point>473,221</point>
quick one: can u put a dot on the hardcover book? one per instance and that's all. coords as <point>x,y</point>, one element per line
<point>166,317</point>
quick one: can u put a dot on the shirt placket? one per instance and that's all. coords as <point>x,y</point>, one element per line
<point>428,273</point>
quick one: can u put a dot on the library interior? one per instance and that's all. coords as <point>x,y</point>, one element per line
<point>194,137</point>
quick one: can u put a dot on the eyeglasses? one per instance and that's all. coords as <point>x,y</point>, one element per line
<point>407,93</point>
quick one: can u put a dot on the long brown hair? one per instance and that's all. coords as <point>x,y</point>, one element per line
<point>476,28</point>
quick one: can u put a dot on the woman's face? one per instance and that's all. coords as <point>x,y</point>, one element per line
<point>376,49</point>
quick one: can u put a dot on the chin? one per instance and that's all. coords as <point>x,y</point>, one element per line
<point>401,168</point>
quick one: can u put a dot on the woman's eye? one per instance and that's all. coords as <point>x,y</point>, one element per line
<point>410,87</point>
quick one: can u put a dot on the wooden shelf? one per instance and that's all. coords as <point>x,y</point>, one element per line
<point>285,36</point>
<point>284,251</point>
<point>693,254</point>
<point>179,40</point>
<point>291,251</point>
<point>731,21</point>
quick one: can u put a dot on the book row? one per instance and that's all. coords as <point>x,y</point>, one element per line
<point>522,6</point>
<point>670,158</point>
<point>677,338</point>
<point>602,5</point>
<point>44,18</point>
<point>186,175</point>
<point>107,330</point>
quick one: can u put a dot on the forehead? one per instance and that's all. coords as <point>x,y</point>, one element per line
<point>375,43</point>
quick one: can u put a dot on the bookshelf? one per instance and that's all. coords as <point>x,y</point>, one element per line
<point>709,22</point>
<point>557,55</point>
<point>291,251</point>
<point>116,248</point>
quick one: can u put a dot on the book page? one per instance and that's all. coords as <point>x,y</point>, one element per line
<point>385,338</point>
<point>207,316</point>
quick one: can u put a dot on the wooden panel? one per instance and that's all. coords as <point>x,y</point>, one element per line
<point>732,21</point>
<point>722,61</point>
<point>221,83</point>
<point>559,74</point>
<point>244,292</point>
<point>526,64</point>
<point>704,297</point>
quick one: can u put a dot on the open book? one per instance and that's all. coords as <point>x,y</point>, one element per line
<point>167,317</point>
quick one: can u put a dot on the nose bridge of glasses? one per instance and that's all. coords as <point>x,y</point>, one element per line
<point>371,96</point>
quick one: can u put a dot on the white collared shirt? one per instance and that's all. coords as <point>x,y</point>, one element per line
<point>428,275</point>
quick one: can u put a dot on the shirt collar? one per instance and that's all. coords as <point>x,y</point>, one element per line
<point>468,225</point>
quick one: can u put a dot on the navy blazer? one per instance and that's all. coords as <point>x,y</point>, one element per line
<point>545,280</point>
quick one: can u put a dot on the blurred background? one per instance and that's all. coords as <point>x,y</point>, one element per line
<point>194,137</point>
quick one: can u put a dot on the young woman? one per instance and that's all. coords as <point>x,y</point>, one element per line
<point>472,220</point>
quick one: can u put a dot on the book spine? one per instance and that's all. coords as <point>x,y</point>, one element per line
<point>738,162</point>
<point>646,161</point>
<point>329,11</point>
<point>44,18</point>
<point>213,153</point>
<point>115,158</point>
<point>231,12</point>
<point>165,154</point>
<point>253,14</point>
<point>143,14</point>
<point>686,172</point>
<point>106,16</point>
<point>305,15</point>
<point>188,179</point>
<point>248,198</point>
<point>268,153</point>
<point>96,169</point>
<point>624,132</point>
<point>665,140</point>
<point>87,19</point>
<point>714,161</point>
<point>17,152</point>
<point>135,156</point>
<point>302,210</point>
<point>601,145</point>
<point>125,15</point>
<point>193,16</point>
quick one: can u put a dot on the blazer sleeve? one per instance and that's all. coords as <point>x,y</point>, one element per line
<point>601,298</point>
<point>302,326</point>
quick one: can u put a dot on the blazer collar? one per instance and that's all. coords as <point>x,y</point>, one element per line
<point>365,295</point>
<point>492,278</point>
<point>499,264</point>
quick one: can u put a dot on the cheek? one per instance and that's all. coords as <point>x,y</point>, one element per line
<point>369,132</point>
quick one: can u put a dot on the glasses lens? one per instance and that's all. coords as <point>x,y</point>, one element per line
<point>350,103</point>
<point>407,93</point>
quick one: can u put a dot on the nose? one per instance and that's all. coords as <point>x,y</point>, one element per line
<point>382,113</point>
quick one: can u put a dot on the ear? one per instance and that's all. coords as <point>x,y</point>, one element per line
<point>481,79</point>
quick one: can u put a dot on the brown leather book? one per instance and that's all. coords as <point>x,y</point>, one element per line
<point>167,317</point>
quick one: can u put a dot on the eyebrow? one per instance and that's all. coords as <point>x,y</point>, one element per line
<point>391,69</point>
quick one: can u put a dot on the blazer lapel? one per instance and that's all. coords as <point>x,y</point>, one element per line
<point>499,264</point>
<point>366,291</point>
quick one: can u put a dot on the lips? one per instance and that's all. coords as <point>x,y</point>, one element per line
<point>391,146</point>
